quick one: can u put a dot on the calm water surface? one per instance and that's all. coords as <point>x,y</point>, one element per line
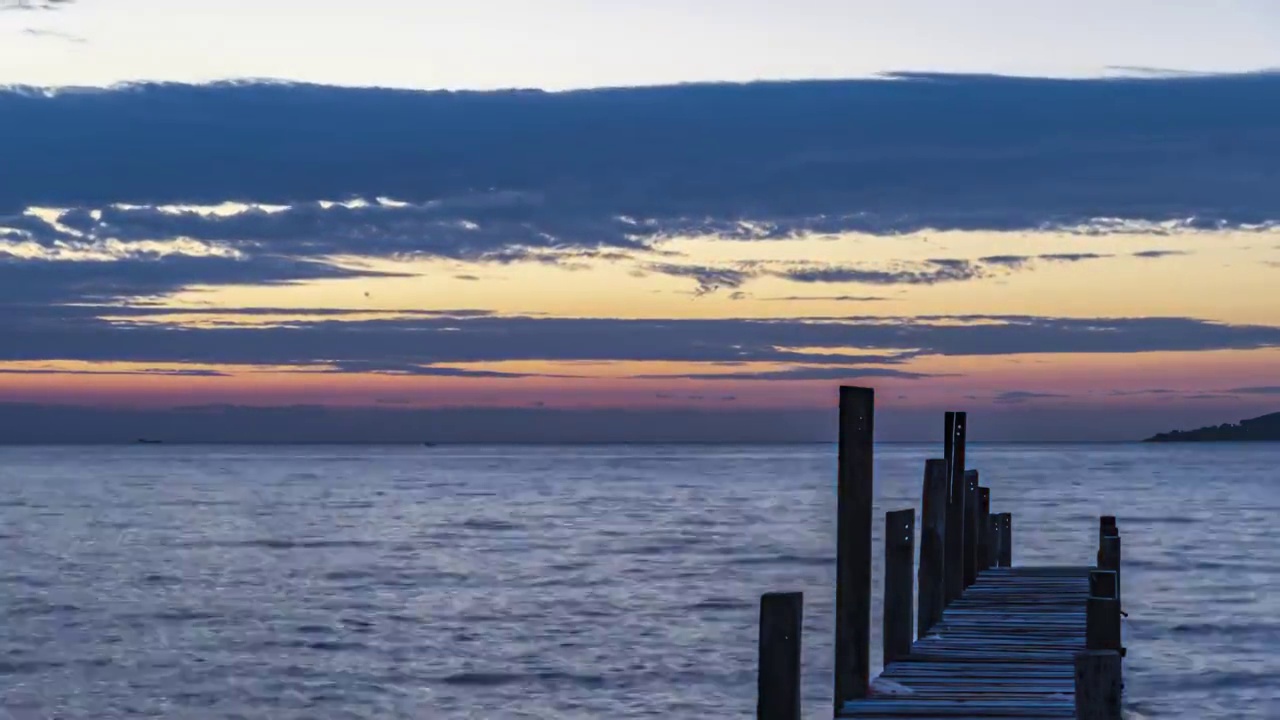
<point>549,582</point>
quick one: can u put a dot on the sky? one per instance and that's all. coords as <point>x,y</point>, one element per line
<point>502,221</point>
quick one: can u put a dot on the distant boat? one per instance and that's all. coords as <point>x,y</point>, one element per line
<point>145,441</point>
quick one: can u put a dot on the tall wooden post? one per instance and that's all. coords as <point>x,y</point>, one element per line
<point>955,512</point>
<point>853,546</point>
<point>778,682</point>
<point>933,523</point>
<point>984,528</point>
<point>899,589</point>
<point>970,527</point>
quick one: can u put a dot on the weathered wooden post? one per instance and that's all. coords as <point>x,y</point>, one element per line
<point>1099,685</point>
<point>970,527</point>
<point>993,538</point>
<point>853,545</point>
<point>933,523</point>
<point>1109,550</point>
<point>1107,526</point>
<point>1102,613</point>
<point>1006,539</point>
<point>984,528</point>
<point>899,589</point>
<point>954,566</point>
<point>778,682</point>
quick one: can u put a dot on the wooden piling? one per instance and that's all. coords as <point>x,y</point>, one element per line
<point>984,528</point>
<point>970,527</point>
<point>899,588</point>
<point>954,565</point>
<point>1006,540</point>
<point>1102,613</point>
<point>1107,526</point>
<point>933,522</point>
<point>993,540</point>
<point>778,681</point>
<point>1098,685</point>
<point>1109,550</point>
<point>853,550</point>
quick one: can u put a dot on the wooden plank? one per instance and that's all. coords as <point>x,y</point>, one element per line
<point>954,565</point>
<point>853,550</point>
<point>933,522</point>
<point>778,681</point>
<point>970,527</point>
<point>899,560</point>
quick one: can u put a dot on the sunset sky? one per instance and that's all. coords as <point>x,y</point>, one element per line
<point>1085,246</point>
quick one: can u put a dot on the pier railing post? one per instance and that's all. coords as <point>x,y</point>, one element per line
<point>778,681</point>
<point>1006,540</point>
<point>1099,685</point>
<point>899,587</point>
<point>1109,551</point>
<point>984,528</point>
<point>933,523</point>
<point>1102,613</point>
<point>853,546</point>
<point>954,566</point>
<point>993,538</point>
<point>970,527</point>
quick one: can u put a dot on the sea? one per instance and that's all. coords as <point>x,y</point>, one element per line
<point>566,582</point>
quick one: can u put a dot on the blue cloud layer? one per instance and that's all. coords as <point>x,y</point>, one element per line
<point>921,151</point>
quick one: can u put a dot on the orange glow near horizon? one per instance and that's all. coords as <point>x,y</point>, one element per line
<point>1221,277</point>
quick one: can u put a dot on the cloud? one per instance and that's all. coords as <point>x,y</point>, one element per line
<point>148,371</point>
<point>606,175</point>
<point>826,298</point>
<point>1152,391</point>
<point>1016,397</point>
<point>754,161</point>
<point>33,4</point>
<point>709,279</point>
<point>926,273</point>
<point>805,373</point>
<point>55,35</point>
<point>1155,254</point>
<point>37,334</point>
<point>29,281</point>
<point>1264,390</point>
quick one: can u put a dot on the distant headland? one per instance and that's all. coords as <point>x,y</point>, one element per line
<point>1265,428</point>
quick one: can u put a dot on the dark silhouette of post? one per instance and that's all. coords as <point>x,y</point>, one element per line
<point>853,545</point>
<point>970,527</point>
<point>954,566</point>
<point>899,587</point>
<point>1109,551</point>
<point>1006,539</point>
<point>1102,613</point>
<point>984,528</point>
<point>778,682</point>
<point>933,523</point>
<point>948,440</point>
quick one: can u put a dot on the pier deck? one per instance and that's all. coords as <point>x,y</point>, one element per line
<point>1006,648</point>
<point>985,639</point>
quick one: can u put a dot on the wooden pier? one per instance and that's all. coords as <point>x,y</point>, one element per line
<point>986,639</point>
